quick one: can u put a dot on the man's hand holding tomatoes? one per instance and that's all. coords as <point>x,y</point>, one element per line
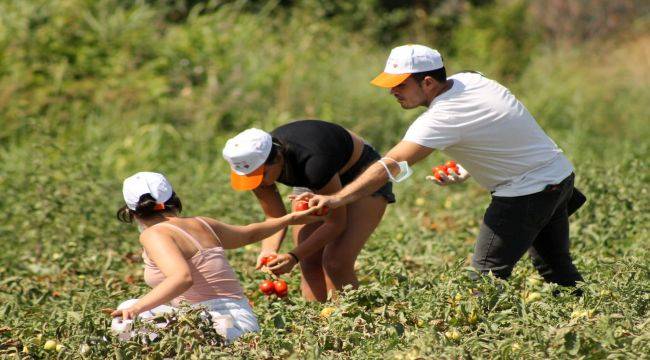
<point>448,174</point>
<point>282,264</point>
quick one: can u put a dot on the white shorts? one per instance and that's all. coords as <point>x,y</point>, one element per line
<point>232,318</point>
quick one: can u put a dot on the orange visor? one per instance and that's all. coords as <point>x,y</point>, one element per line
<point>248,181</point>
<point>387,80</point>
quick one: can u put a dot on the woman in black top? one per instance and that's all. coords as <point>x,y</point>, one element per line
<point>320,157</point>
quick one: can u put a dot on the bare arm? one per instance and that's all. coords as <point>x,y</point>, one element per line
<point>273,207</point>
<point>235,236</point>
<point>331,228</point>
<point>374,177</point>
<point>168,257</point>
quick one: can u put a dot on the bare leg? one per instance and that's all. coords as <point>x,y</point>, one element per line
<point>312,280</point>
<point>339,256</point>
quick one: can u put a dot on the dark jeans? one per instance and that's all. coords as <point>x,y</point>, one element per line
<point>537,223</point>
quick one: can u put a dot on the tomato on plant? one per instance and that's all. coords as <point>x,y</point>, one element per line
<point>280,287</point>
<point>267,287</point>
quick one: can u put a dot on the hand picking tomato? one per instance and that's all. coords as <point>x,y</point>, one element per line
<point>322,211</point>
<point>301,206</point>
<point>267,259</point>
<point>304,205</point>
<point>280,287</point>
<point>266,287</point>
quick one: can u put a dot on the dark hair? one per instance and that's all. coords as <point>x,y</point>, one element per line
<point>147,207</point>
<point>277,147</point>
<point>439,75</point>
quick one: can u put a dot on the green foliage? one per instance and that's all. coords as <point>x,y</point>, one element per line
<point>93,91</point>
<point>497,39</point>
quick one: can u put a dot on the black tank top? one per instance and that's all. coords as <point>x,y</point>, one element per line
<point>315,151</point>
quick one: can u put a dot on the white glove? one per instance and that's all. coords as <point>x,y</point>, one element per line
<point>452,178</point>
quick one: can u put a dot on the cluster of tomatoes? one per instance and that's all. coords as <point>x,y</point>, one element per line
<point>304,205</point>
<point>446,169</point>
<point>269,287</point>
<point>279,287</point>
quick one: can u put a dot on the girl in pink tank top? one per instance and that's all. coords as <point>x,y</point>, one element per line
<point>185,257</point>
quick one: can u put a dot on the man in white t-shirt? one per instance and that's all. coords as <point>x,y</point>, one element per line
<point>480,124</point>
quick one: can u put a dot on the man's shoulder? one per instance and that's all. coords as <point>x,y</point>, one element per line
<point>469,73</point>
<point>467,80</point>
<point>435,113</point>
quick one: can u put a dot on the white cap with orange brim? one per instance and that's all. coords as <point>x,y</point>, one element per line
<point>246,153</point>
<point>406,60</point>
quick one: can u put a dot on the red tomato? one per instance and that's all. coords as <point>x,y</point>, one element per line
<point>267,287</point>
<point>452,166</point>
<point>437,170</point>
<point>301,206</point>
<point>267,259</point>
<point>280,287</point>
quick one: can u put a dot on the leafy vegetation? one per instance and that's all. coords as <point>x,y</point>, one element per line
<point>92,91</point>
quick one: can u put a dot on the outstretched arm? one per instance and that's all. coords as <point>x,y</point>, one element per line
<point>235,236</point>
<point>374,177</point>
<point>273,207</point>
<point>331,229</point>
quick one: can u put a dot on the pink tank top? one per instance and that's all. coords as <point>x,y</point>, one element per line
<point>212,275</point>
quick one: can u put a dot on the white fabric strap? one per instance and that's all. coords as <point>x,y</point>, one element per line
<point>381,161</point>
<point>404,170</point>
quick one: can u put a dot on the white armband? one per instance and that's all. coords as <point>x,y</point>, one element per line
<point>404,170</point>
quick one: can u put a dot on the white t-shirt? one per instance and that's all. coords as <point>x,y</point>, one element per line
<point>482,126</point>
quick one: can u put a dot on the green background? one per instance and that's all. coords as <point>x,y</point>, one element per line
<point>93,91</point>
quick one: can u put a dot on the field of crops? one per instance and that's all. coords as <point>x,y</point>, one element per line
<point>91,92</point>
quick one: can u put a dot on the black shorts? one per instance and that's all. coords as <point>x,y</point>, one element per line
<point>368,156</point>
